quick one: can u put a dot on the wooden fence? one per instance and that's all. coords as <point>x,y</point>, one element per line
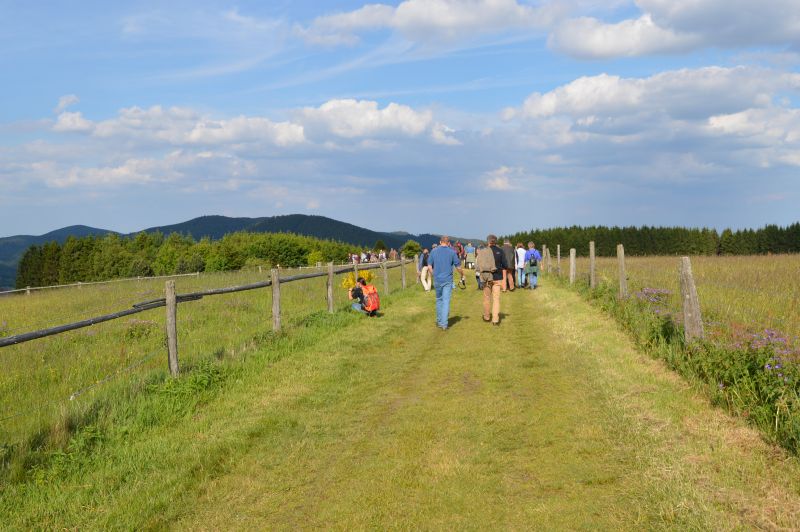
<point>171,300</point>
<point>692,318</point>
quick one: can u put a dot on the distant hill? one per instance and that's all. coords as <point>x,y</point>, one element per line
<point>12,248</point>
<point>215,227</point>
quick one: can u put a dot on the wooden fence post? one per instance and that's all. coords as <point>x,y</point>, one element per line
<point>572,266</point>
<point>330,287</point>
<point>558,260</point>
<point>385,273</point>
<point>623,278</point>
<point>416,266</point>
<point>549,261</point>
<point>544,259</point>
<point>692,320</point>
<point>259,268</point>
<point>276,300</point>
<point>27,290</point>
<point>592,273</point>
<point>172,327</point>
<point>403,272</point>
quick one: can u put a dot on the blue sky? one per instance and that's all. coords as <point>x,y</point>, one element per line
<point>421,115</point>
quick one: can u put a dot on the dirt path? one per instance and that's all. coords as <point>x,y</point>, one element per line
<point>550,421</point>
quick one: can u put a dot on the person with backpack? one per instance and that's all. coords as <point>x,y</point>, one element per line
<point>491,263</point>
<point>365,296</point>
<point>441,261</point>
<point>532,259</point>
<point>424,271</point>
<point>508,277</point>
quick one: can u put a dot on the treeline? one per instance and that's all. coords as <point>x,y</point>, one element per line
<point>667,240</point>
<point>94,258</point>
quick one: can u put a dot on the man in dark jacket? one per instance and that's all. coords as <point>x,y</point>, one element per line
<point>492,288</point>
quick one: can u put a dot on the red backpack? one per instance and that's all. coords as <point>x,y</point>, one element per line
<point>371,300</point>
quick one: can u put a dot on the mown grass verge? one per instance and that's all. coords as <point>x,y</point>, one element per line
<point>753,379</point>
<point>126,407</point>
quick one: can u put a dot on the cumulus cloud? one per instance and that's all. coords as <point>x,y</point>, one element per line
<point>350,119</point>
<point>72,122</point>
<point>502,179</point>
<point>66,101</point>
<point>430,20</point>
<point>667,26</point>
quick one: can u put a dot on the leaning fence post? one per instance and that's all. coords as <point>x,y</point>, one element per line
<point>692,320</point>
<point>403,272</point>
<point>572,266</point>
<point>416,266</point>
<point>544,259</point>
<point>172,327</point>
<point>276,300</point>
<point>623,279</point>
<point>330,287</point>
<point>558,259</point>
<point>385,273</point>
<point>592,273</point>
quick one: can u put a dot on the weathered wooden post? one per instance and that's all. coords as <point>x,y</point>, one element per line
<point>330,287</point>
<point>172,327</point>
<point>549,261</point>
<point>692,320</point>
<point>592,273</point>
<point>27,290</point>
<point>558,260</point>
<point>385,272</point>
<point>623,278</point>
<point>416,266</point>
<point>276,300</point>
<point>259,269</point>
<point>403,272</point>
<point>544,258</point>
<point>572,266</point>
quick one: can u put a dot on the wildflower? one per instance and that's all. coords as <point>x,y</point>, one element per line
<point>721,386</point>
<point>780,375</point>
<point>768,366</point>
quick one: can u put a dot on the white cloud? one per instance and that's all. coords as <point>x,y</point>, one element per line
<point>430,20</point>
<point>668,26</point>
<point>500,179</point>
<point>65,101</point>
<point>72,122</point>
<point>350,119</point>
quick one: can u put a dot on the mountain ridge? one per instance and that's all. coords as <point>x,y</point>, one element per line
<point>215,227</point>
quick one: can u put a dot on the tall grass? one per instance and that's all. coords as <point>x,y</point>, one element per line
<point>51,387</point>
<point>749,362</point>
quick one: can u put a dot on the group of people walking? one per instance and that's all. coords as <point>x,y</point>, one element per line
<point>496,270</point>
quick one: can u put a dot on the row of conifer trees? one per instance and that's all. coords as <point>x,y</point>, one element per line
<point>668,240</point>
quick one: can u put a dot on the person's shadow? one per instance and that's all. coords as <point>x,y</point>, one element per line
<point>455,319</point>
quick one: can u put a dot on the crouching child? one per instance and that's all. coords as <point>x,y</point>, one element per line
<point>365,297</point>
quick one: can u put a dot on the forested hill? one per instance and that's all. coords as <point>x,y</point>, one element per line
<point>215,227</point>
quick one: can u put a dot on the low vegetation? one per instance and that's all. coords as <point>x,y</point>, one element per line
<point>749,360</point>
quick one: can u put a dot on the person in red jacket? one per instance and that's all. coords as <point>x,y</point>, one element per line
<point>365,297</point>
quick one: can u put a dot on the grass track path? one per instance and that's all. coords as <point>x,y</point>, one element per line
<point>551,421</point>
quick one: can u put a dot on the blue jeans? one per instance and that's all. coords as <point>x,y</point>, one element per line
<point>532,279</point>
<point>357,306</point>
<point>443,292</point>
<point>520,277</point>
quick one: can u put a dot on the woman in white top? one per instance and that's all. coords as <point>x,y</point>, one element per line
<point>520,264</point>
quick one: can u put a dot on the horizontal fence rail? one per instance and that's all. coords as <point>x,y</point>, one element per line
<point>182,298</point>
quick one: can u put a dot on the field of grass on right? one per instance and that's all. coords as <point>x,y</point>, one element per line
<point>741,297</point>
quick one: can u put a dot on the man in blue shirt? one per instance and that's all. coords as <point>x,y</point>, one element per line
<point>441,261</point>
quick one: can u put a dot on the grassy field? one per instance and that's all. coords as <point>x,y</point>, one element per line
<point>52,382</point>
<point>739,296</point>
<point>551,421</point>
